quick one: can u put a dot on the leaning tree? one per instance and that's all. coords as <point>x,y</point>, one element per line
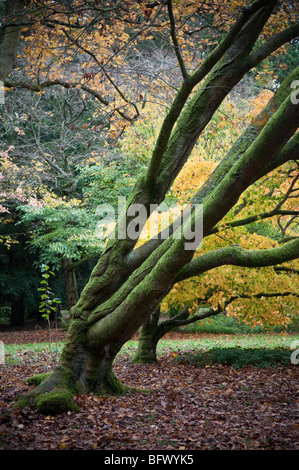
<point>128,282</point>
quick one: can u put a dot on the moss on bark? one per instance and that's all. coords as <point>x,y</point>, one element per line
<point>38,378</point>
<point>146,351</point>
<point>53,394</point>
<point>55,402</point>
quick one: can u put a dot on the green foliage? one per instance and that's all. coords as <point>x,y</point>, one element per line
<point>102,184</point>
<point>48,303</point>
<point>61,230</point>
<point>66,228</point>
<point>238,357</point>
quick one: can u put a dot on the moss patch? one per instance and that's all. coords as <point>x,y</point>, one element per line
<point>55,402</point>
<point>38,378</point>
<point>22,402</point>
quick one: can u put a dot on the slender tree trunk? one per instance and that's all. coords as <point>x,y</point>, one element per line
<point>17,311</point>
<point>71,288</point>
<point>147,346</point>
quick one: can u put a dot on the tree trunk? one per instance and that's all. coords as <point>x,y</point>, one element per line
<point>17,311</point>
<point>156,327</point>
<point>10,36</point>
<point>82,369</point>
<point>147,347</point>
<point>147,340</point>
<point>71,288</point>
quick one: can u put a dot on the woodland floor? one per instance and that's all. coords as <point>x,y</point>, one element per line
<point>190,408</point>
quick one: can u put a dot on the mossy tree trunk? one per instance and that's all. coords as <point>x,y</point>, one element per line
<point>155,327</point>
<point>127,284</point>
<point>149,335</point>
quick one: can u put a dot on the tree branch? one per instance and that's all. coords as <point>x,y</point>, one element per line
<point>274,43</point>
<point>175,41</point>
<point>253,218</point>
<point>181,318</point>
<point>286,269</point>
<point>237,256</point>
<point>190,82</point>
<point>288,152</point>
<point>91,54</point>
<point>68,85</point>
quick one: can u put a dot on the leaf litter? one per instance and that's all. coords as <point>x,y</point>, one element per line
<point>213,407</point>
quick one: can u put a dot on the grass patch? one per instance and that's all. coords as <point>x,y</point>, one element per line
<point>237,357</point>
<point>33,352</point>
<point>261,350</point>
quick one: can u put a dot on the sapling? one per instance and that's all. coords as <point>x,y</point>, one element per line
<point>48,305</point>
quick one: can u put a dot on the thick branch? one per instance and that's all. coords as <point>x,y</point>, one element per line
<point>237,256</point>
<point>256,132</point>
<point>253,130</point>
<point>191,82</point>
<point>154,279</point>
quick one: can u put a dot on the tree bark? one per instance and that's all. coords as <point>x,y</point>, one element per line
<point>71,288</point>
<point>148,339</point>
<point>154,329</point>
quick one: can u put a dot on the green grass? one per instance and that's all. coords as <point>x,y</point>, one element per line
<point>262,350</point>
<point>31,352</point>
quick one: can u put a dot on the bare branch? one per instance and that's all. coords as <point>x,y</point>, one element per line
<point>254,218</point>
<point>175,41</point>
